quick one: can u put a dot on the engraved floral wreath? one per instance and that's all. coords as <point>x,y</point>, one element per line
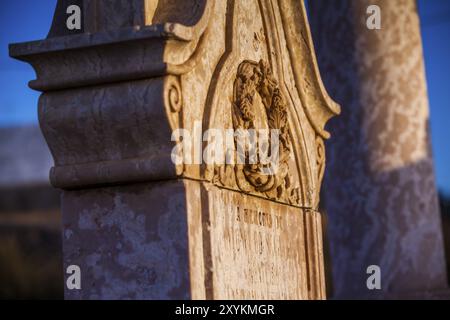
<point>256,78</point>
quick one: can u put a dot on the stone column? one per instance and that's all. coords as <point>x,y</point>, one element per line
<point>141,225</point>
<point>379,190</point>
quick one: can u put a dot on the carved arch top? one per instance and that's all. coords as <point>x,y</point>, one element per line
<point>283,40</point>
<point>199,47</point>
<point>319,106</point>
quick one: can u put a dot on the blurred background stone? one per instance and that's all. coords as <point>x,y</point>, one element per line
<point>30,251</point>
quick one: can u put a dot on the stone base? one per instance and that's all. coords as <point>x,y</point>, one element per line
<point>131,242</point>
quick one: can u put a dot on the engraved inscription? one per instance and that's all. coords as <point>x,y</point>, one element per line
<point>258,217</point>
<point>262,240</point>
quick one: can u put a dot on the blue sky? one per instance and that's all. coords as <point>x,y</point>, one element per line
<point>20,20</point>
<point>435,19</point>
<point>24,20</point>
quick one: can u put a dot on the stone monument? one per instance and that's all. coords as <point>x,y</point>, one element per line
<point>379,189</point>
<point>138,223</point>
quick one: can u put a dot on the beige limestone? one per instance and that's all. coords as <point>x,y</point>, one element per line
<point>140,226</point>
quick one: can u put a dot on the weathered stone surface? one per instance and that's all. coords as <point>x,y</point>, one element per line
<point>140,226</point>
<point>130,242</point>
<point>255,248</point>
<point>379,189</point>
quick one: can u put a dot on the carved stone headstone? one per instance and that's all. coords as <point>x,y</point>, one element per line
<point>141,224</point>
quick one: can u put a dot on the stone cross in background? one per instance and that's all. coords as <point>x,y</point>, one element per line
<point>140,225</point>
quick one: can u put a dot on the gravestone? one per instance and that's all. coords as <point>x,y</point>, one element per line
<point>141,224</point>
